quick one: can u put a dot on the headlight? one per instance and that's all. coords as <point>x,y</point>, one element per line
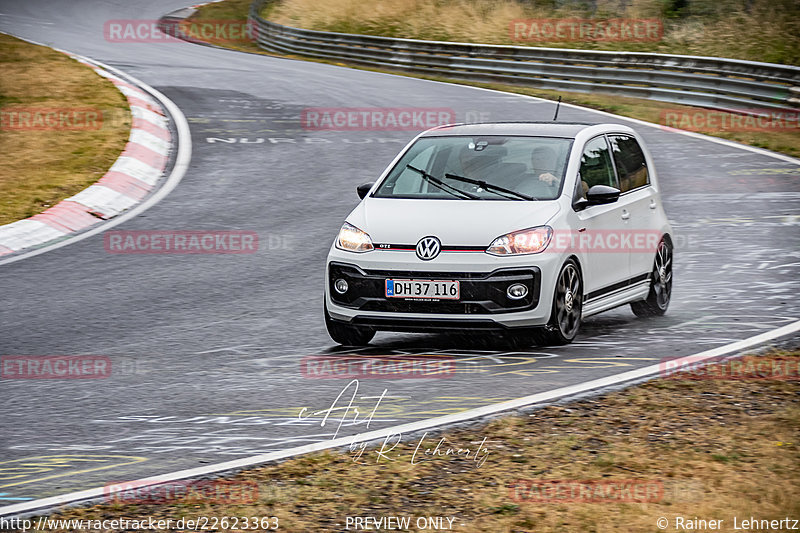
<point>353,239</point>
<point>527,241</point>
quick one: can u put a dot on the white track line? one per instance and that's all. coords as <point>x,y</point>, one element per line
<point>412,427</point>
<point>718,140</point>
<point>183,156</point>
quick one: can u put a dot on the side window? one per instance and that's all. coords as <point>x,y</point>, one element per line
<point>596,166</point>
<point>629,158</point>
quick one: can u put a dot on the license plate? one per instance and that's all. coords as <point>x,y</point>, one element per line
<point>423,289</point>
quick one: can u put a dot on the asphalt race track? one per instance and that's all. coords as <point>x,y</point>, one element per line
<point>207,349</point>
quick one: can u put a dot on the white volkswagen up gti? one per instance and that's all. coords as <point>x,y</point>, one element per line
<point>524,228</point>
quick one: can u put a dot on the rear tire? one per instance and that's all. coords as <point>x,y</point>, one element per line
<point>348,335</point>
<point>660,294</point>
<point>565,316</point>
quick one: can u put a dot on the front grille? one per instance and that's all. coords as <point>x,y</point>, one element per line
<point>481,293</point>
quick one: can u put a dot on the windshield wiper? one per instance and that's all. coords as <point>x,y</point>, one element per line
<point>444,186</point>
<point>498,190</point>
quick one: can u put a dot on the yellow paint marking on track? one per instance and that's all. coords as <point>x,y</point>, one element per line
<point>31,466</point>
<point>467,399</point>
<point>530,372</point>
<point>608,362</point>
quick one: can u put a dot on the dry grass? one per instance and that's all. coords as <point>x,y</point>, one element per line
<point>234,11</point>
<point>38,168</point>
<point>758,30</point>
<point>720,448</point>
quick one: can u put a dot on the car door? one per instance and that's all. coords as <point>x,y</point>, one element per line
<point>639,199</point>
<point>605,267</point>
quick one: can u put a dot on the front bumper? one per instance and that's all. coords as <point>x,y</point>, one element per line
<point>484,280</point>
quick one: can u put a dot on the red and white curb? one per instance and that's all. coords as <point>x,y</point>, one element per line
<point>129,180</point>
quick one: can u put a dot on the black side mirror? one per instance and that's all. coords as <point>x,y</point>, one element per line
<point>597,195</point>
<point>364,189</point>
<point>602,194</point>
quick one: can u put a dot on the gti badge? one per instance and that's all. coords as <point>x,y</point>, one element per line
<point>428,248</point>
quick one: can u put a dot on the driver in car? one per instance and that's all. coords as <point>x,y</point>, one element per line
<point>543,164</point>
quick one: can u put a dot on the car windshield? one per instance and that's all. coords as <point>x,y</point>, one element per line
<point>479,168</point>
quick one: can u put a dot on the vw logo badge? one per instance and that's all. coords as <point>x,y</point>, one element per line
<point>428,248</point>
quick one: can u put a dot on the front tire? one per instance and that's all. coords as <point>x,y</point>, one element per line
<point>660,293</point>
<point>348,335</point>
<point>565,316</point>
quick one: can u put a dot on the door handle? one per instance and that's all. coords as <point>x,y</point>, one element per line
<point>653,204</point>
<point>625,215</point>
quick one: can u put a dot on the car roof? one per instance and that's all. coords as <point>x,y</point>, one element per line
<point>543,129</point>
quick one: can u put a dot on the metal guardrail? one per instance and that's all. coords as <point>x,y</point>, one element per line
<point>699,81</point>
